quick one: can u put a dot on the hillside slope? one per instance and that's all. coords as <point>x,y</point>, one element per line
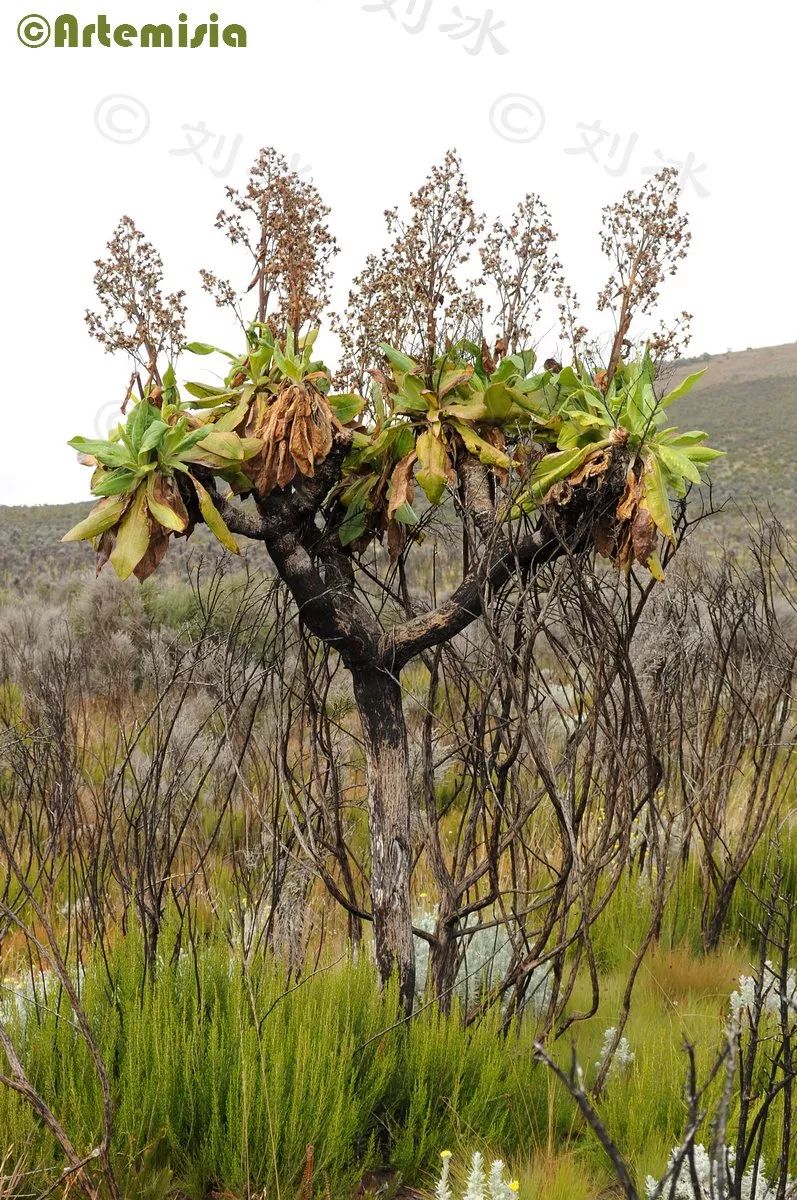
<point>747,402</point>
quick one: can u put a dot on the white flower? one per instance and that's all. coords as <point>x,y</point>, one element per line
<point>443,1190</point>
<point>475,1188</point>
<point>742,1001</point>
<point>623,1055</point>
<point>704,1170</point>
<point>498,1187</point>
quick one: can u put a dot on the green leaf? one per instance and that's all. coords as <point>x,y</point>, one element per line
<point>200,348</point>
<point>691,437</point>
<point>110,454</point>
<point>353,527</point>
<point>683,387</point>
<point>379,403</point>
<point>405,515</point>
<point>656,569</point>
<point>139,421</point>
<point>555,467</point>
<point>640,406</point>
<point>498,402</point>
<point>307,342</point>
<point>179,441</point>
<point>220,444</point>
<point>581,428</point>
<point>239,482</point>
<point>523,396</point>
<point>286,363</point>
<point>213,518</point>
<point>230,420</point>
<point>153,436</point>
<point>491,456</point>
<point>346,406</point>
<point>132,538</point>
<point>400,361</point>
<point>656,498</point>
<point>516,367</point>
<point>101,518</point>
<point>432,473</point>
<point>525,360</point>
<point>114,483</point>
<point>413,397</point>
<point>207,391</point>
<point>568,381</point>
<point>678,463</point>
<point>470,411</point>
<point>703,455</point>
<point>403,441</point>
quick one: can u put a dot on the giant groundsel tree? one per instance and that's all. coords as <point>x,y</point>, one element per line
<point>440,404</point>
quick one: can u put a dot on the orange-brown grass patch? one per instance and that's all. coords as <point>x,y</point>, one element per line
<point>678,973</point>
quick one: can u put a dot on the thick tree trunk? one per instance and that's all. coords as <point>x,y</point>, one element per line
<point>378,697</point>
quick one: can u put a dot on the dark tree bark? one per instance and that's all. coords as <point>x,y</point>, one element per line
<point>379,702</point>
<point>322,582</point>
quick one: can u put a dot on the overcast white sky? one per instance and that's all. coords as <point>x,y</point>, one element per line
<point>575,101</point>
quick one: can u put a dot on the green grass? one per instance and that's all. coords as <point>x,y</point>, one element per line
<point>221,1079</point>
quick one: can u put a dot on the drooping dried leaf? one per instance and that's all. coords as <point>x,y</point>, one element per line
<point>630,498</point>
<point>132,537</point>
<point>396,539</point>
<point>560,494</point>
<point>386,382</point>
<point>527,455</point>
<point>105,547</point>
<point>624,550</point>
<point>644,536</point>
<point>165,502</point>
<point>301,443</point>
<point>402,489</point>
<point>296,428</point>
<point>155,553</point>
<point>604,537</point>
<point>488,362</point>
<point>286,467</point>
